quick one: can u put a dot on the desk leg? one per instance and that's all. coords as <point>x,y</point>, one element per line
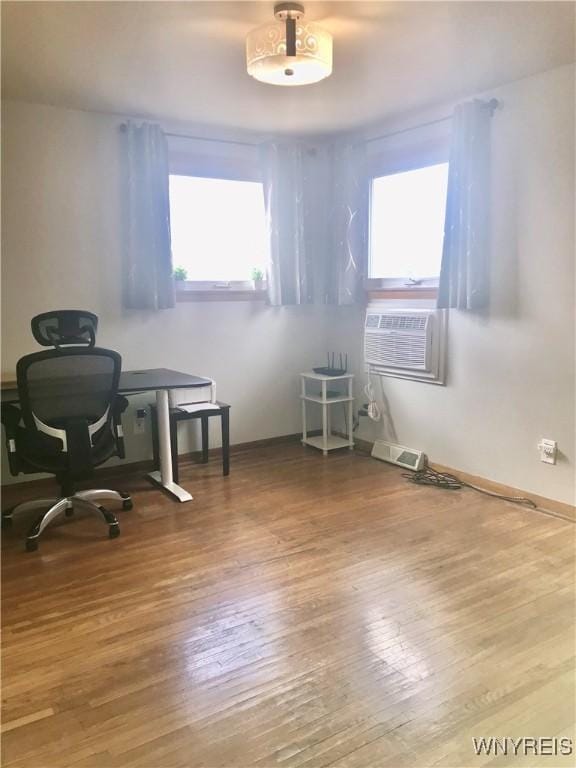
<point>165,477</point>
<point>325,418</point>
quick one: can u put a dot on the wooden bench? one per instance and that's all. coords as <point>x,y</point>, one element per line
<point>177,415</point>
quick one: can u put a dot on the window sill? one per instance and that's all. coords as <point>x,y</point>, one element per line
<point>414,292</point>
<point>384,288</point>
<point>220,294</point>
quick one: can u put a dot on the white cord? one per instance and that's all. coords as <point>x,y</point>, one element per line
<point>373,409</point>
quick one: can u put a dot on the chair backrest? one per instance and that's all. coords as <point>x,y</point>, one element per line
<point>63,386</point>
<point>63,327</point>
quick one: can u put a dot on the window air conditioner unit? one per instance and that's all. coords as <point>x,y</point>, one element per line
<point>405,343</point>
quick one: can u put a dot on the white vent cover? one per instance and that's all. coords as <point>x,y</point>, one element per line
<point>405,343</point>
<point>398,454</point>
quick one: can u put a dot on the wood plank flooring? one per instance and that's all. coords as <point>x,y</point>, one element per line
<point>306,611</point>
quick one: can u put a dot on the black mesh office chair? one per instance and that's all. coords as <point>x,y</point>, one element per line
<point>69,422</point>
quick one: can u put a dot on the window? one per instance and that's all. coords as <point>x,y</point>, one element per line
<point>407,226</point>
<point>218,229</point>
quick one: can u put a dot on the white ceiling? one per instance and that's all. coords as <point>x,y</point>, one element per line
<point>185,60</point>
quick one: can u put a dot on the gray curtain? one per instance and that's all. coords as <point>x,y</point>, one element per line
<point>464,270</point>
<point>148,281</point>
<point>347,225</point>
<point>289,270</point>
<point>317,217</point>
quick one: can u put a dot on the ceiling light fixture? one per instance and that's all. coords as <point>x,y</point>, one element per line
<point>289,51</point>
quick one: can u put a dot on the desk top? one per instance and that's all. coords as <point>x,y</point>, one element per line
<point>159,378</point>
<point>147,380</point>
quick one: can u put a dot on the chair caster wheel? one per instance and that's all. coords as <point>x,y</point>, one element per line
<point>127,504</point>
<point>6,523</point>
<point>114,531</point>
<point>31,545</point>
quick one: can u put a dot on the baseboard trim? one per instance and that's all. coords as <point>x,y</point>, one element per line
<point>364,446</point>
<point>147,465</point>
<point>551,505</point>
<point>239,448</point>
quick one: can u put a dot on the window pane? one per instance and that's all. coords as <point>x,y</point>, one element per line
<point>218,227</point>
<point>407,223</point>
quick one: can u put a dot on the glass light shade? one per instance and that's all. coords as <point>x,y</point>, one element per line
<point>266,54</point>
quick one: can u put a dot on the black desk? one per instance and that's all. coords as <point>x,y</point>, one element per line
<point>158,380</point>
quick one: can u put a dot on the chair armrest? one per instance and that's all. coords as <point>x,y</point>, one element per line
<point>119,406</point>
<point>10,418</point>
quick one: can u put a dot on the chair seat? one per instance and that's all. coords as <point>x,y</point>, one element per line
<point>39,452</point>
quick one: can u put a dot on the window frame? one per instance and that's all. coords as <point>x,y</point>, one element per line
<point>207,161</point>
<point>196,290</point>
<point>410,157</point>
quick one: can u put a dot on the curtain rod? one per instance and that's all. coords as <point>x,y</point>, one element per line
<point>203,138</point>
<point>218,141</point>
<point>492,105</point>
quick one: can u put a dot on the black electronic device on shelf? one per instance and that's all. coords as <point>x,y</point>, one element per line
<point>331,369</point>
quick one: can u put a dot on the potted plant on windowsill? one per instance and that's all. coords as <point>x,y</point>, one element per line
<point>180,274</point>
<point>258,279</point>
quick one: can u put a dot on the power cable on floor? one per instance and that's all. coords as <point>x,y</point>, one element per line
<point>448,482</point>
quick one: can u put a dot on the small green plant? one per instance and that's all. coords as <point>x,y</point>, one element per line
<point>257,275</point>
<point>180,274</point>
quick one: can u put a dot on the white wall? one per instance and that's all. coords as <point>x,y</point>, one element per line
<point>511,371</point>
<point>62,248</point>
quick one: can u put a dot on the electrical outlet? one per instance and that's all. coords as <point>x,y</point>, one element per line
<point>140,421</point>
<point>548,450</point>
<point>139,427</point>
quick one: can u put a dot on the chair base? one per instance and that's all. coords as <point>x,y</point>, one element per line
<point>86,500</point>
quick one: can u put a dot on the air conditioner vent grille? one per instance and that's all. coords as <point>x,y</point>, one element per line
<point>405,343</point>
<point>402,322</point>
<point>406,351</point>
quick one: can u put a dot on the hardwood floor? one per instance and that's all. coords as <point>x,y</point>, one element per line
<point>305,611</point>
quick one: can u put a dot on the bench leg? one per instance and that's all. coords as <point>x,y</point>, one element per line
<point>225,442</point>
<point>205,444</point>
